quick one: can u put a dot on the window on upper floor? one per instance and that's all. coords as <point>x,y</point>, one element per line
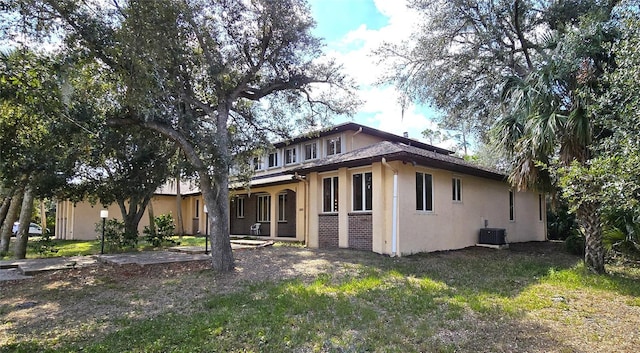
<point>273,159</point>
<point>334,146</point>
<point>257,163</point>
<point>362,192</point>
<point>424,192</point>
<point>311,150</point>
<point>290,155</point>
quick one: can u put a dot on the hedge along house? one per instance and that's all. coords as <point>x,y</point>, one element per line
<point>356,187</point>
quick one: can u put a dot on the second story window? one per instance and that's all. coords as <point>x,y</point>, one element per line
<point>273,159</point>
<point>290,155</point>
<point>257,163</point>
<point>310,151</point>
<point>333,146</point>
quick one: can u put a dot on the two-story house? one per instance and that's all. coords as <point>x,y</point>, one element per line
<point>352,186</point>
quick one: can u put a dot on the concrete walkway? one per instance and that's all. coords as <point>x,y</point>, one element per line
<point>23,269</point>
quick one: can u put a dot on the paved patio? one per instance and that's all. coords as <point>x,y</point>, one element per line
<point>23,269</point>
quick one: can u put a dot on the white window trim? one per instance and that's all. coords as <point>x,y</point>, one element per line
<point>333,194</point>
<point>424,193</point>
<point>295,155</point>
<point>268,208</point>
<point>458,188</point>
<point>282,211</point>
<point>277,156</point>
<point>364,195</point>
<point>327,143</point>
<point>240,202</point>
<point>304,147</point>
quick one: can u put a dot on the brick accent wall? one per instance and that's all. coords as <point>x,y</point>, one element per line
<point>361,231</point>
<point>328,231</point>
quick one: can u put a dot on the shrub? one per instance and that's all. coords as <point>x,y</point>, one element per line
<point>115,238</point>
<point>45,245</point>
<point>574,243</point>
<point>621,234</point>
<point>164,230</point>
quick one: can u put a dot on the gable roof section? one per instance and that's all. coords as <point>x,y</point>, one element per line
<point>349,126</point>
<point>395,151</point>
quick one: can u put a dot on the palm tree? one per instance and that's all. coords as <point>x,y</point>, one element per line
<point>547,123</point>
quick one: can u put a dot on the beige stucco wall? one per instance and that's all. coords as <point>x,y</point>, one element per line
<point>451,225</point>
<point>78,221</point>
<point>455,225</point>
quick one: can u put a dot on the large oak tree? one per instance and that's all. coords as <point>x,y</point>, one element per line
<point>205,74</point>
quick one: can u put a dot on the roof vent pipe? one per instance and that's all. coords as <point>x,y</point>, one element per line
<point>405,134</point>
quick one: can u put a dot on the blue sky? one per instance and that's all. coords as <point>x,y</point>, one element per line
<point>352,29</point>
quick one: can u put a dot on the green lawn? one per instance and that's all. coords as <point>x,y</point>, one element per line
<point>531,299</point>
<point>92,247</point>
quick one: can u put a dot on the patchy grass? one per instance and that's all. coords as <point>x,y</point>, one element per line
<point>533,298</point>
<point>92,247</point>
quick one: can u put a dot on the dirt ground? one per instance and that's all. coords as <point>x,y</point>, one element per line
<point>71,302</point>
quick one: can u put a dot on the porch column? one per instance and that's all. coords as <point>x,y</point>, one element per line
<point>313,210</point>
<point>380,208</point>
<point>273,225</point>
<point>344,207</point>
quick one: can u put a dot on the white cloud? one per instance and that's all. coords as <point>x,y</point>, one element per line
<point>381,108</point>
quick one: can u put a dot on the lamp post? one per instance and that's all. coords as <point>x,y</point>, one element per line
<point>104,214</point>
<point>206,230</point>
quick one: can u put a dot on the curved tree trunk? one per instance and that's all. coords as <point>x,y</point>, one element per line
<point>4,208</point>
<point>152,221</point>
<point>588,216</point>
<point>179,222</point>
<point>20,251</point>
<point>12,216</point>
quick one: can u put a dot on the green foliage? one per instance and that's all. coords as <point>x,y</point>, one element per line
<point>115,237</point>
<point>164,230</point>
<point>622,234</point>
<point>560,222</point>
<point>44,246</point>
<point>574,244</point>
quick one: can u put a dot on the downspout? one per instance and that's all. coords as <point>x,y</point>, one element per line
<point>394,212</point>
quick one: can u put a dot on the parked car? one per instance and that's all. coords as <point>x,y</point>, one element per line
<point>34,229</point>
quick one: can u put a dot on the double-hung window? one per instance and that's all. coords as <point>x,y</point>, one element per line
<point>424,192</point>
<point>257,163</point>
<point>311,151</point>
<point>290,155</point>
<point>239,207</point>
<point>362,192</point>
<point>273,159</point>
<point>333,146</point>
<point>330,194</point>
<point>264,208</point>
<point>282,207</point>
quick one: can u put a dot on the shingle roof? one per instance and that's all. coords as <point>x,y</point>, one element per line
<point>398,151</point>
<point>351,126</point>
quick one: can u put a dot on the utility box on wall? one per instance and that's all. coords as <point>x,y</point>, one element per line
<point>493,236</point>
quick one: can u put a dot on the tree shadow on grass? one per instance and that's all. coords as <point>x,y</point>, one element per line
<point>331,301</point>
<point>357,314</point>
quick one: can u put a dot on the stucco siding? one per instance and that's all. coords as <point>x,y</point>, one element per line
<point>456,224</point>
